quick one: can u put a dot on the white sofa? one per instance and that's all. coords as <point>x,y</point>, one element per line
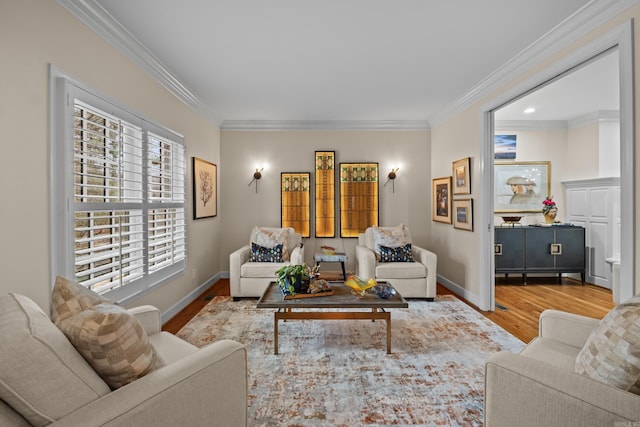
<point>539,386</point>
<point>250,279</point>
<point>45,381</point>
<point>412,279</point>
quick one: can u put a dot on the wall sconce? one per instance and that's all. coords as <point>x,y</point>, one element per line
<point>256,176</point>
<point>392,177</point>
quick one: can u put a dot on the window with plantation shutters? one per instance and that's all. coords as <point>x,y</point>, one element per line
<point>123,226</point>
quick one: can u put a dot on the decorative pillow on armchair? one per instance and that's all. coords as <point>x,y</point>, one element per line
<point>263,254</point>
<point>271,239</point>
<point>399,254</point>
<point>612,351</point>
<point>390,237</point>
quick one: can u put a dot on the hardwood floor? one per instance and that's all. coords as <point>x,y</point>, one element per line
<point>518,307</point>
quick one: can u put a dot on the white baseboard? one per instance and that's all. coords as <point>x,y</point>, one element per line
<point>189,298</point>
<point>459,290</point>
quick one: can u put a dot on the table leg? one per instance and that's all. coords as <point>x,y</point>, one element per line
<point>388,319</point>
<point>275,333</point>
<point>344,273</point>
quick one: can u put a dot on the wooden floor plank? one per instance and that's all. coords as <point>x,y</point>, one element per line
<point>523,304</point>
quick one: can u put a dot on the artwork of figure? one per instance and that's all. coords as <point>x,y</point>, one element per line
<point>522,189</point>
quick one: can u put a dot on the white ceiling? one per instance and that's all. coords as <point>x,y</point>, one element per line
<point>594,87</point>
<point>334,59</point>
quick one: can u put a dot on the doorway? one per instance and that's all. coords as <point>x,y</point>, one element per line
<point>618,41</point>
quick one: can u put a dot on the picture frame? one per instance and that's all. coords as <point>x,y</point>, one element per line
<point>463,214</point>
<point>521,186</point>
<point>359,201</point>
<point>205,189</point>
<point>441,199</point>
<point>461,173</point>
<point>504,147</point>
<point>295,202</point>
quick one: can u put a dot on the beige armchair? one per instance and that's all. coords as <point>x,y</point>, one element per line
<point>539,386</point>
<point>412,279</point>
<point>250,279</point>
<point>45,381</point>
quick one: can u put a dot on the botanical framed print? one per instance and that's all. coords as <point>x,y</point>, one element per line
<point>295,195</point>
<point>205,187</point>
<point>461,176</point>
<point>521,186</point>
<point>463,214</point>
<point>358,198</point>
<point>441,203</point>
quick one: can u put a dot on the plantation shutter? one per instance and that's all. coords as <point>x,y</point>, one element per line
<point>128,207</point>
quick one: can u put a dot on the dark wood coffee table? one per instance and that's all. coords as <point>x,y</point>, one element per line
<point>342,298</point>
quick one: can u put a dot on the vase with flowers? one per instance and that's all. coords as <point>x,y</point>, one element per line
<point>549,210</point>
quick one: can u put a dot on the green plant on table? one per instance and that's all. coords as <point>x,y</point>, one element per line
<point>289,275</point>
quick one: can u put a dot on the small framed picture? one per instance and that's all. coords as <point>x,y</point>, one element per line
<point>463,214</point>
<point>461,176</point>
<point>205,187</point>
<point>441,194</point>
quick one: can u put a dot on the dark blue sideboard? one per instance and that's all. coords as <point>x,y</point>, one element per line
<point>539,249</point>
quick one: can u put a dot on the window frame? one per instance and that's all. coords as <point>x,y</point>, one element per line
<point>64,90</point>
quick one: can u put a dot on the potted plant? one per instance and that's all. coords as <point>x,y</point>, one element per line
<point>293,279</point>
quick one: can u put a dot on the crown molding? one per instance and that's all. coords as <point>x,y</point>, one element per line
<point>585,20</point>
<point>603,116</point>
<point>99,20</point>
<point>524,125</point>
<point>250,125</point>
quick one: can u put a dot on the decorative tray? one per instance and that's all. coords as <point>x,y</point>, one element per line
<point>317,294</point>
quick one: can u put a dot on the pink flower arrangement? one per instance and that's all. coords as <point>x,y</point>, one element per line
<point>548,204</point>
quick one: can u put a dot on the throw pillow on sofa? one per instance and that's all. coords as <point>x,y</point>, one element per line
<point>612,351</point>
<point>69,298</point>
<point>113,342</point>
<point>110,338</point>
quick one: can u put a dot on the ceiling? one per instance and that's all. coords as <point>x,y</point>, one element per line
<point>593,87</point>
<point>334,59</point>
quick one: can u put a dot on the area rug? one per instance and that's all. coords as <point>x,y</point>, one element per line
<point>337,373</point>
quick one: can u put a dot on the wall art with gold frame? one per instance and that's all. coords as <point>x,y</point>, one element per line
<point>441,199</point>
<point>295,200</point>
<point>325,167</point>
<point>358,197</point>
<point>463,214</point>
<point>461,176</point>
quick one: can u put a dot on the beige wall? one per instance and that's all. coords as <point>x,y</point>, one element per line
<point>583,142</point>
<point>460,135</point>
<point>34,34</point>
<point>293,151</point>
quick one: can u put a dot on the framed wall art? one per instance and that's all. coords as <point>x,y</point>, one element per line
<point>504,147</point>
<point>521,186</point>
<point>205,187</point>
<point>358,198</point>
<point>325,162</point>
<point>295,201</point>
<point>441,203</point>
<point>461,176</point>
<point>463,214</point>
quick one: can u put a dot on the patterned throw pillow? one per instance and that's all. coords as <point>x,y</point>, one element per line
<point>612,351</point>
<point>114,343</point>
<point>69,298</point>
<point>399,254</point>
<point>391,237</point>
<point>263,254</point>
<point>110,338</point>
<point>271,239</point>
